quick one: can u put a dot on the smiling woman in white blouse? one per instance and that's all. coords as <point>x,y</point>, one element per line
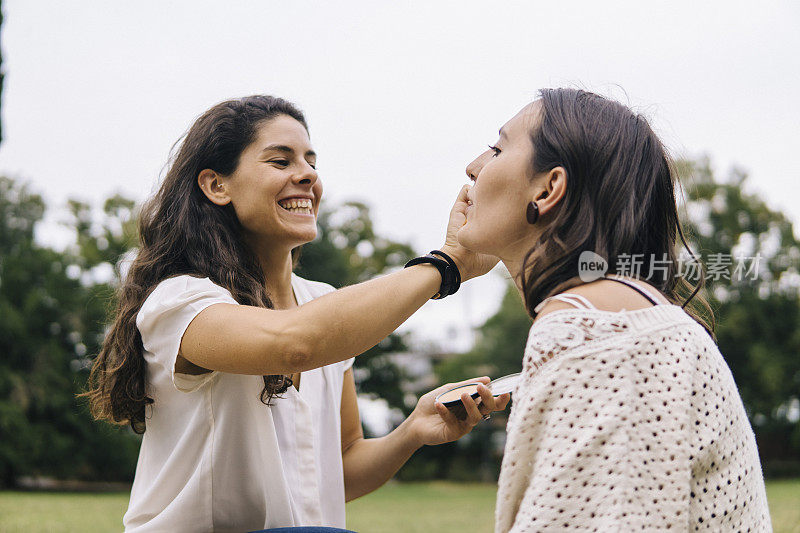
<point>239,370</point>
<point>626,417</point>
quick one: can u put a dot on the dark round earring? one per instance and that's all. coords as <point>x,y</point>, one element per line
<point>532,213</point>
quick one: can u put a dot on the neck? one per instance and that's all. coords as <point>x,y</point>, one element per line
<point>277,268</point>
<point>513,261</point>
<point>515,269</point>
<point>514,266</point>
<point>513,256</point>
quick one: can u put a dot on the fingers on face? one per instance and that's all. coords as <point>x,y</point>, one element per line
<point>463,196</point>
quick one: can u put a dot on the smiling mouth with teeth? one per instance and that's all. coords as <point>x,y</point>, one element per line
<point>295,205</point>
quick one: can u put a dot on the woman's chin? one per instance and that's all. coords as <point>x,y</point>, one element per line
<point>467,238</point>
<point>299,237</point>
<point>307,238</point>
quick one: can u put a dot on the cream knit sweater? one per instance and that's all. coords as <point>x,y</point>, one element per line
<point>628,421</point>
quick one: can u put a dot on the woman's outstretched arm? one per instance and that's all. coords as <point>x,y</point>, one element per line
<point>369,463</point>
<point>243,339</point>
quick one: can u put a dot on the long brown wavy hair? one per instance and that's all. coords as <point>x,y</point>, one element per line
<point>620,200</point>
<point>182,232</point>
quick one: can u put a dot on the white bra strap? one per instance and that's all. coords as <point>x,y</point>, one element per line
<point>574,299</point>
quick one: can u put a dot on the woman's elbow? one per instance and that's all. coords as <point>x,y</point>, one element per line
<point>298,343</point>
<point>299,358</point>
<point>269,358</point>
<point>298,351</point>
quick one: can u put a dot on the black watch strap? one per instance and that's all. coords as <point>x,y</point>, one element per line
<point>451,277</point>
<point>452,265</point>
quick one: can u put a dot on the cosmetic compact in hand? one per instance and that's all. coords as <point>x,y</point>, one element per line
<point>452,398</point>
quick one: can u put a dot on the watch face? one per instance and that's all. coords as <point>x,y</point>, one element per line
<point>504,384</point>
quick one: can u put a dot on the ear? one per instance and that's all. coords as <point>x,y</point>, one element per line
<point>213,187</point>
<point>551,188</point>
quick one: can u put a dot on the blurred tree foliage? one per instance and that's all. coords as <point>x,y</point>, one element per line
<point>499,345</point>
<point>53,314</point>
<point>757,308</point>
<point>751,256</point>
<point>2,76</point>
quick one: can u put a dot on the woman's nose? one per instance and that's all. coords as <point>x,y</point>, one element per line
<point>308,177</point>
<point>473,169</point>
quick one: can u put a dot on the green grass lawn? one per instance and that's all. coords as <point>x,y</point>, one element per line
<point>424,507</point>
<point>402,508</point>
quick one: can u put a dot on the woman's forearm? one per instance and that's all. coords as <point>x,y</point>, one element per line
<point>369,463</point>
<point>353,319</point>
<point>252,340</point>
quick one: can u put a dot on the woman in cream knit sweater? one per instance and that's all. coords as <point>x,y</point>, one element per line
<point>627,417</point>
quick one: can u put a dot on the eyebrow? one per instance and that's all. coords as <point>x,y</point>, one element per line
<point>286,149</point>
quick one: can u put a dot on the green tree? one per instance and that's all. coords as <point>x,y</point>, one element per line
<point>751,255</point>
<point>53,317</point>
<point>104,240</point>
<point>2,76</point>
<point>347,249</point>
<point>499,344</point>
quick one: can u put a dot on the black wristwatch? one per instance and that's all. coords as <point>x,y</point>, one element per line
<point>451,277</point>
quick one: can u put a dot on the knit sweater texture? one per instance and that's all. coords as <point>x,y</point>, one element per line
<point>628,421</point>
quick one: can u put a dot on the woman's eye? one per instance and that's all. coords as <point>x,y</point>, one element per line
<point>281,162</point>
<point>494,149</point>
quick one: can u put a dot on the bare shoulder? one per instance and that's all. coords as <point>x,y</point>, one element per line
<point>607,295</point>
<point>611,295</point>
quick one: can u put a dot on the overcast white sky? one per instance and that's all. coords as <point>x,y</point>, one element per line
<point>400,95</point>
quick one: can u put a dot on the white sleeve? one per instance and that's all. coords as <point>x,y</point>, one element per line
<point>165,315</point>
<point>594,442</point>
